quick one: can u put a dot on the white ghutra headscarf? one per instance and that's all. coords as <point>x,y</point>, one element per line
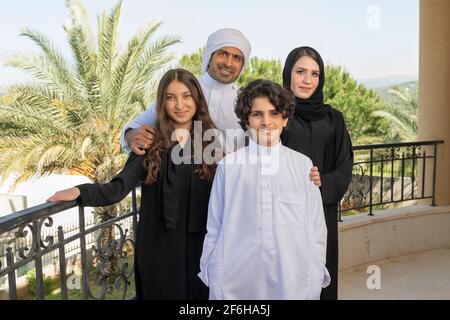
<point>226,37</point>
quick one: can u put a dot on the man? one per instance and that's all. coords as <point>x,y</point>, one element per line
<point>226,54</point>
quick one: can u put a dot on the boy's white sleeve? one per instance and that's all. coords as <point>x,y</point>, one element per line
<point>147,117</point>
<point>214,224</point>
<point>320,228</point>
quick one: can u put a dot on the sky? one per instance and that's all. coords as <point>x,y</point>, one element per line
<point>369,38</point>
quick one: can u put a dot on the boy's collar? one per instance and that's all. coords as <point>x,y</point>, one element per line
<point>262,150</point>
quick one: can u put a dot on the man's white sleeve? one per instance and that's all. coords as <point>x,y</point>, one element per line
<point>214,224</point>
<point>147,117</point>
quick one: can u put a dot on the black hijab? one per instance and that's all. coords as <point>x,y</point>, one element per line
<point>313,108</point>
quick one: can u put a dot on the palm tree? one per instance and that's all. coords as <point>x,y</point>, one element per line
<point>403,116</point>
<point>68,119</point>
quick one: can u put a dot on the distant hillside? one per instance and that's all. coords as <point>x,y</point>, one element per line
<point>388,81</point>
<point>412,87</point>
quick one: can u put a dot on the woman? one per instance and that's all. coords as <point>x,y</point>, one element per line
<point>174,206</point>
<point>318,131</point>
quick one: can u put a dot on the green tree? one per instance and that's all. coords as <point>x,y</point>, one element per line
<point>269,69</point>
<point>193,62</point>
<point>402,115</point>
<point>358,104</point>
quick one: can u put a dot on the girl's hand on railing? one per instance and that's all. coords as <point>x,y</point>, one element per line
<point>314,175</point>
<point>65,195</point>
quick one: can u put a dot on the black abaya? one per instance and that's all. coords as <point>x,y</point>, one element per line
<point>171,228</point>
<point>319,132</point>
<point>328,144</point>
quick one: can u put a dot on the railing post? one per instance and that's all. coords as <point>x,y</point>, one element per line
<point>11,274</point>
<point>403,177</point>
<point>392,173</point>
<point>371,184</point>
<point>84,266</point>
<point>62,264</point>
<point>413,174</point>
<point>423,172</point>
<point>38,263</point>
<point>433,202</point>
<point>381,179</point>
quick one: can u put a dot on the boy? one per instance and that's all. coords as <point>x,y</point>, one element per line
<point>266,229</point>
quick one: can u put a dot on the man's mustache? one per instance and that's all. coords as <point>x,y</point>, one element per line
<point>227,68</point>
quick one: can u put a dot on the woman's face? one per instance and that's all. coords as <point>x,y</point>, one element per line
<point>305,77</point>
<point>180,105</point>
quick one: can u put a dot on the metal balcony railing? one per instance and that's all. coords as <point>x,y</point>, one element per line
<point>103,270</point>
<point>385,174</point>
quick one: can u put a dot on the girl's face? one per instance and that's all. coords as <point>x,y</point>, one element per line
<point>265,122</point>
<point>180,105</point>
<point>305,77</point>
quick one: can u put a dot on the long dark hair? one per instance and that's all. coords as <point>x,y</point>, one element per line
<point>165,127</point>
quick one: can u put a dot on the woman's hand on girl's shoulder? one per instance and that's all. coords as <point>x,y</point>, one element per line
<point>65,195</point>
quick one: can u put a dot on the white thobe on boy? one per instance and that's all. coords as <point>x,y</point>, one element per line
<point>266,233</point>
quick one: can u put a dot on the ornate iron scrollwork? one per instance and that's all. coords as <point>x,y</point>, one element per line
<point>358,189</point>
<point>111,260</point>
<point>49,239</point>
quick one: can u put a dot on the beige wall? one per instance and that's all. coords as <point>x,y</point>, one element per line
<point>434,87</point>
<point>391,233</point>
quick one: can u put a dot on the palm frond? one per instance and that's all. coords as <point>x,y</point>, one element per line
<point>107,50</point>
<point>125,72</point>
<point>61,73</point>
<point>82,43</point>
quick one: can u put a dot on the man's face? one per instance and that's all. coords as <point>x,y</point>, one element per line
<point>226,64</point>
<point>265,122</point>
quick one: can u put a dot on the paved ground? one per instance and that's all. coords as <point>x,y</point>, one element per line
<point>416,276</point>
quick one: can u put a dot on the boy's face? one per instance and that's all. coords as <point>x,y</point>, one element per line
<point>265,122</point>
